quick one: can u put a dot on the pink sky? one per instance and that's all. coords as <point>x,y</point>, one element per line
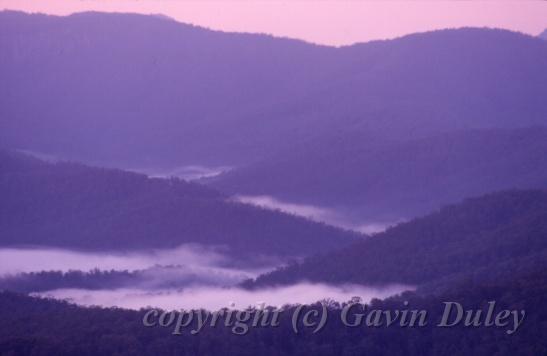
<point>326,22</point>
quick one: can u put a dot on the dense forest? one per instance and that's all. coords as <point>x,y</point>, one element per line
<point>70,205</point>
<point>33,326</point>
<point>495,234</point>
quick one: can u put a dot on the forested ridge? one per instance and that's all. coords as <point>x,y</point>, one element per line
<point>498,233</point>
<point>374,179</point>
<point>71,205</point>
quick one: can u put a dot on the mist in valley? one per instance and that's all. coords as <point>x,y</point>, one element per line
<point>189,173</point>
<point>215,298</point>
<point>188,277</point>
<point>326,215</point>
<point>36,269</point>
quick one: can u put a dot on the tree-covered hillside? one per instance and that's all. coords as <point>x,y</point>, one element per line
<point>74,206</point>
<point>377,180</point>
<point>497,234</point>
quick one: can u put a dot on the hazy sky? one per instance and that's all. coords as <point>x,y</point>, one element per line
<point>327,22</point>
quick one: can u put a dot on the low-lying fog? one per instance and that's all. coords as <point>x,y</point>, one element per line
<point>189,173</point>
<point>214,298</point>
<point>315,213</point>
<point>16,260</point>
<point>187,277</point>
<point>188,262</point>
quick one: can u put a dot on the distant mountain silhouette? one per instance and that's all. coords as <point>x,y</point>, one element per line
<point>70,205</point>
<point>133,91</point>
<point>375,179</point>
<point>543,35</point>
<point>485,238</point>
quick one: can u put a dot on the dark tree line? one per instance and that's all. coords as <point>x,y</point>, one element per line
<point>47,327</point>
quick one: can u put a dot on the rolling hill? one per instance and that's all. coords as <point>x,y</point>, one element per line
<point>482,239</point>
<point>69,205</point>
<point>378,180</point>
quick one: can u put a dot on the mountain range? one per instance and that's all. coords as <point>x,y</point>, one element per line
<point>441,134</point>
<point>381,131</point>
<point>135,91</point>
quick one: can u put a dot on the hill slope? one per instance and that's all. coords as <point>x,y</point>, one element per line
<point>74,206</point>
<point>371,179</point>
<point>495,233</point>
